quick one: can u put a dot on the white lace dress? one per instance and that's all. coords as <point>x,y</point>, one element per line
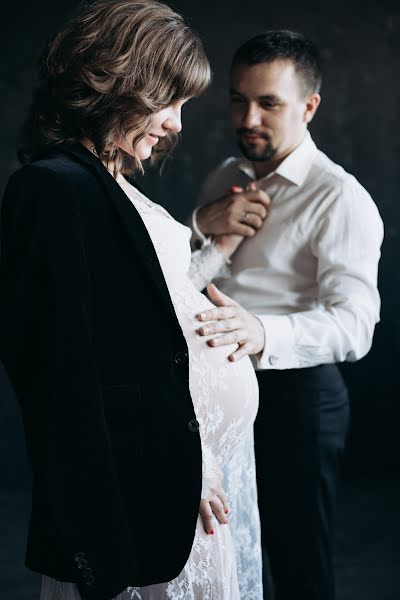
<point>226,565</point>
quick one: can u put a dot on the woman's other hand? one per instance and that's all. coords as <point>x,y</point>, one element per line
<point>215,507</point>
<point>228,243</point>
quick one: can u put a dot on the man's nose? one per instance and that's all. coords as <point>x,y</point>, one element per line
<point>251,117</point>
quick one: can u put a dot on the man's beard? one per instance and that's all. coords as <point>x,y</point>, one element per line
<point>255,153</point>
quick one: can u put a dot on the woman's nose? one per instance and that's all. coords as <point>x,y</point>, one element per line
<point>173,122</point>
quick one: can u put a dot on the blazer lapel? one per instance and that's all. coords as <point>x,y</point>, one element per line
<point>130,219</point>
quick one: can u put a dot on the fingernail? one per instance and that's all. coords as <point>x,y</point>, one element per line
<point>212,532</point>
<point>235,188</point>
<point>226,511</point>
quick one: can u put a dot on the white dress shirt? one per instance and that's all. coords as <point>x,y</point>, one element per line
<point>310,272</point>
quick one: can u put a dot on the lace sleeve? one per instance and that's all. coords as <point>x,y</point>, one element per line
<point>207,263</point>
<point>212,474</point>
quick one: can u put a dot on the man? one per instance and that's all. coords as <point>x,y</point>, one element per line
<point>300,295</point>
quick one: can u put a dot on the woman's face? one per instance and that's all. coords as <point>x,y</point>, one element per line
<point>167,119</point>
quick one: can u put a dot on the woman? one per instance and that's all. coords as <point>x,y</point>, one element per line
<point>134,425</point>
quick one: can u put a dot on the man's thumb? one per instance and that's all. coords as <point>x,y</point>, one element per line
<point>218,297</point>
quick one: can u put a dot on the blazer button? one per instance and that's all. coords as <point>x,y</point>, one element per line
<point>79,556</point>
<point>194,425</point>
<point>88,579</point>
<point>82,563</point>
<point>181,358</point>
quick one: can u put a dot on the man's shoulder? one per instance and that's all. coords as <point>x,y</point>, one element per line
<point>335,189</point>
<point>332,178</point>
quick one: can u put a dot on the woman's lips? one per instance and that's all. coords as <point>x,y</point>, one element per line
<point>153,137</point>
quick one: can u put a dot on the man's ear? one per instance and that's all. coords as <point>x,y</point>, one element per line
<point>312,103</point>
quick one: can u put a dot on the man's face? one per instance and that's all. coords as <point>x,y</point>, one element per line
<point>268,109</point>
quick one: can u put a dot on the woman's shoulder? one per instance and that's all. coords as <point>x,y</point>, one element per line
<point>55,167</point>
<point>54,184</point>
<point>53,176</point>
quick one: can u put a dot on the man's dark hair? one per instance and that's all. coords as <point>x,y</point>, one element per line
<point>284,45</point>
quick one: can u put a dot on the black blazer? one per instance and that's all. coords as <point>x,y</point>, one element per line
<point>99,364</point>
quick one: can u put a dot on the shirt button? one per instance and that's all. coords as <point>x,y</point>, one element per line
<point>273,360</point>
<point>194,425</point>
<point>181,358</point>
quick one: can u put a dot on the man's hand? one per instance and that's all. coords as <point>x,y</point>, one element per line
<point>239,211</point>
<point>233,323</point>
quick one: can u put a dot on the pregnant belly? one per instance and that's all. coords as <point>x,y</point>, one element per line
<point>223,392</point>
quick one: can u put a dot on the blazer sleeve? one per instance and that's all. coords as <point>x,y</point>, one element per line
<point>46,343</point>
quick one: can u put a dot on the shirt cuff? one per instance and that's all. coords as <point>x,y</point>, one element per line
<point>205,241</point>
<point>278,351</point>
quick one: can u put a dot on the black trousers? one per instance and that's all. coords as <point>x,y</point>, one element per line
<point>300,433</point>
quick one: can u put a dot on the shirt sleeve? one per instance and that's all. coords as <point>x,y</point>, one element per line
<point>346,243</point>
<point>206,264</point>
<point>199,240</point>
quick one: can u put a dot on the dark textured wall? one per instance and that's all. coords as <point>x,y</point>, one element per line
<point>357,125</point>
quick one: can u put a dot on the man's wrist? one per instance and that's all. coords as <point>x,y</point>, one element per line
<point>259,353</point>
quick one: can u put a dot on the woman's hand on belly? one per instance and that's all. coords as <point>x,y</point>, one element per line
<point>233,324</point>
<point>215,506</point>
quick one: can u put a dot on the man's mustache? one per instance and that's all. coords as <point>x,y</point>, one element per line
<point>244,131</point>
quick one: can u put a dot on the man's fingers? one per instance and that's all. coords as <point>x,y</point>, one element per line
<point>219,298</point>
<point>217,314</point>
<point>221,326</point>
<point>257,196</point>
<point>241,352</point>
<point>235,337</point>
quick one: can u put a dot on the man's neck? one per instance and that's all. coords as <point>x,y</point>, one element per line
<point>264,168</point>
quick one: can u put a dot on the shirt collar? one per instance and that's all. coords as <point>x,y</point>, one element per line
<point>294,168</point>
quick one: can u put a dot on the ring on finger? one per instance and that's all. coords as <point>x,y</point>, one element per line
<point>246,214</point>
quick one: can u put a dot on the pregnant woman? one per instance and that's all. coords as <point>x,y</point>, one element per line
<point>139,433</point>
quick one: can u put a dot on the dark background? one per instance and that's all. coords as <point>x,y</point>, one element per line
<point>357,125</point>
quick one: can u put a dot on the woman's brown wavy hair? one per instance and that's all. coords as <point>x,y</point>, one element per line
<point>104,74</point>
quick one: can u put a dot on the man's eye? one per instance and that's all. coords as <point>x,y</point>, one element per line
<point>269,105</point>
